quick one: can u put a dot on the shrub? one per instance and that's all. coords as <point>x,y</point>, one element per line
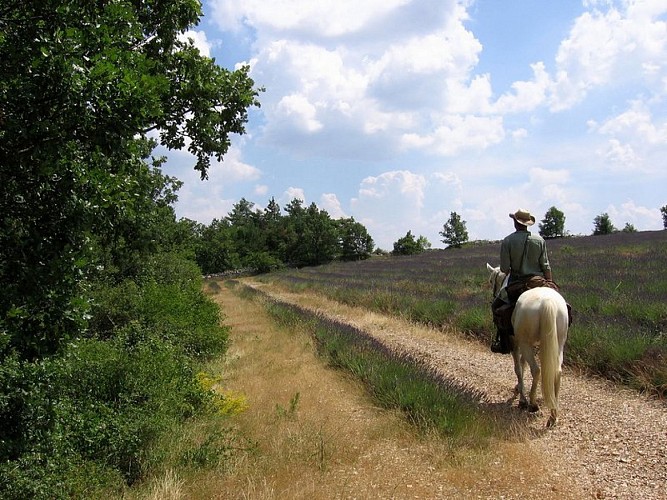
<point>103,400</point>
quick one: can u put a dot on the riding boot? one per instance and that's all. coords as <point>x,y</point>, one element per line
<point>502,343</point>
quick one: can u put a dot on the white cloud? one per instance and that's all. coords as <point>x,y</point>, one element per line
<point>541,176</point>
<point>642,218</point>
<point>619,156</point>
<point>636,122</point>
<point>448,179</point>
<point>301,112</point>
<point>330,203</point>
<point>328,18</point>
<point>457,133</point>
<point>417,86</point>
<point>199,39</point>
<point>406,88</point>
<point>292,193</point>
<point>527,95</point>
<point>232,169</point>
<point>390,205</point>
<point>610,48</point>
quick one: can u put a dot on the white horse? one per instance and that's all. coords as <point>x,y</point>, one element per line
<point>540,318</point>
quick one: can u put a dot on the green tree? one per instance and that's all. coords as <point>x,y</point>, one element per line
<point>663,211</point>
<point>320,237</point>
<point>216,251</point>
<point>311,236</point>
<point>246,231</point>
<point>553,224</point>
<point>354,240</point>
<point>408,245</point>
<point>454,232</point>
<point>82,84</point>
<point>629,228</point>
<point>602,225</point>
<point>272,226</point>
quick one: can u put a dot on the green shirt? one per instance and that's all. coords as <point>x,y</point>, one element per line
<point>535,261</point>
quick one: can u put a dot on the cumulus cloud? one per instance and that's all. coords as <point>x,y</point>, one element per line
<point>609,46</point>
<point>325,18</point>
<point>636,122</point>
<point>232,169</point>
<point>642,218</point>
<point>330,203</point>
<point>619,156</point>
<point>199,40</point>
<point>332,76</point>
<point>292,193</point>
<point>390,205</point>
<point>457,133</point>
<point>528,95</point>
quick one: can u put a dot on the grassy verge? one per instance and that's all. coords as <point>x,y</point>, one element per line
<point>430,403</point>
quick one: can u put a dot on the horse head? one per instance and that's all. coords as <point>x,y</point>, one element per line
<point>496,278</point>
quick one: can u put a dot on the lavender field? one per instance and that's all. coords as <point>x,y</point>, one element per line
<point>616,284</point>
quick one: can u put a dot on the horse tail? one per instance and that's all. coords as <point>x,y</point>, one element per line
<point>549,353</point>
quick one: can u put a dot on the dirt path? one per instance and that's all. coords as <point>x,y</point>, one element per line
<point>610,442</point>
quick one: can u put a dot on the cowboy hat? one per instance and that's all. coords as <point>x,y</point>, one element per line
<point>523,217</point>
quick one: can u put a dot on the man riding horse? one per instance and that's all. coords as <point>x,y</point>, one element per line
<point>524,259</point>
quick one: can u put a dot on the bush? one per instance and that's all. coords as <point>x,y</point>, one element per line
<point>96,407</point>
<point>168,301</point>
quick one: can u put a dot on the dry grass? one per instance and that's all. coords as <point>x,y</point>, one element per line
<point>317,434</point>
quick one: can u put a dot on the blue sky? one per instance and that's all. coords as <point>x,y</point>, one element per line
<point>399,112</point>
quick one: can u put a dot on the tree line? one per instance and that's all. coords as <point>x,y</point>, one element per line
<point>455,234</point>
<point>264,240</point>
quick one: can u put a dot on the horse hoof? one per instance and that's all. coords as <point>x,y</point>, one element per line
<point>551,422</point>
<point>533,408</point>
<point>523,405</point>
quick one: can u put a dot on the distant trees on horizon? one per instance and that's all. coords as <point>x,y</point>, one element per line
<point>268,239</point>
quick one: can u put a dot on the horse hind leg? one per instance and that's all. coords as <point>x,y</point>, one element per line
<point>519,389</point>
<point>535,373</point>
<point>553,418</point>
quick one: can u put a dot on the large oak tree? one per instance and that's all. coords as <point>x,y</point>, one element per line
<point>87,89</point>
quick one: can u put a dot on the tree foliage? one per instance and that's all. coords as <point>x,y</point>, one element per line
<point>82,84</point>
<point>663,211</point>
<point>408,245</point>
<point>355,242</point>
<point>553,224</point>
<point>454,232</point>
<point>602,225</point>
<point>266,240</point>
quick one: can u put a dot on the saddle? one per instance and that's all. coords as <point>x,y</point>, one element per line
<point>502,316</point>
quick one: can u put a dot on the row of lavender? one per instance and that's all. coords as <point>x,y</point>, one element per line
<point>617,285</point>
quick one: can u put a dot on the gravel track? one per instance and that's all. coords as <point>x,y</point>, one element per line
<point>611,442</point>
